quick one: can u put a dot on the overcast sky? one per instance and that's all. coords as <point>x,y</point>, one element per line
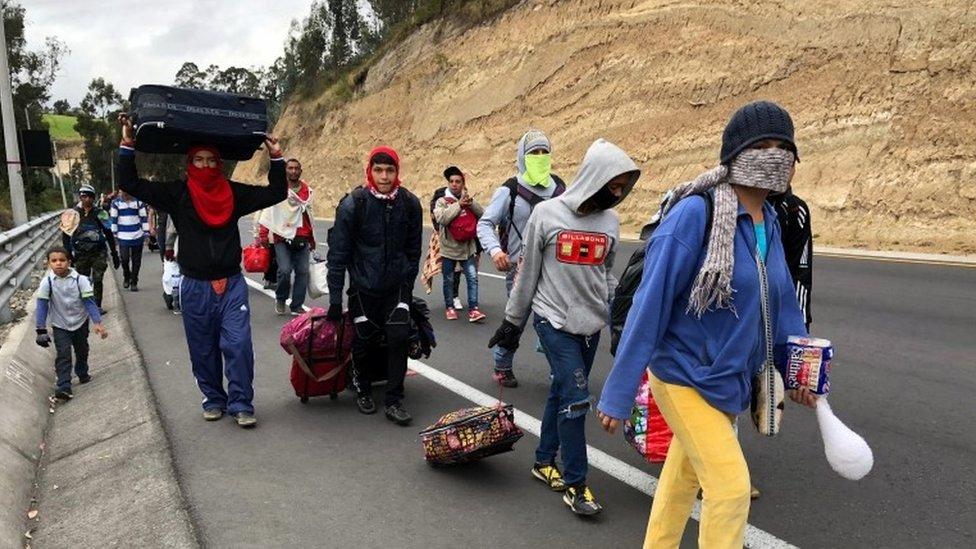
<point>133,42</point>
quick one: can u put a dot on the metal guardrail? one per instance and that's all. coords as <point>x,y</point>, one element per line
<point>21,248</point>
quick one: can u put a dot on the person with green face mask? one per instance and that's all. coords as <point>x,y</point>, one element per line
<point>501,226</point>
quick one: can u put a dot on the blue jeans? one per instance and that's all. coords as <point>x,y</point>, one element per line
<point>505,359</point>
<point>292,260</point>
<point>570,359</point>
<point>470,271</point>
<point>218,334</point>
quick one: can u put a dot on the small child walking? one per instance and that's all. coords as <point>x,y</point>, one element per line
<point>70,299</point>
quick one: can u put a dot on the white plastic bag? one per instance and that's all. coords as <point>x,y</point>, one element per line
<point>171,276</point>
<point>318,283</point>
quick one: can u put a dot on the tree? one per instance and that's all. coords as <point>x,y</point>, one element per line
<point>190,76</point>
<point>61,106</point>
<point>101,99</point>
<point>31,75</point>
<point>96,124</point>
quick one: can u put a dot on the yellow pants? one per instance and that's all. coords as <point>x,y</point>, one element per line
<point>704,453</point>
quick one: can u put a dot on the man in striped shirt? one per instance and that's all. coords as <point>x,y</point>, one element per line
<point>130,224</point>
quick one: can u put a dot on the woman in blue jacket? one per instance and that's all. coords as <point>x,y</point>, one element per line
<point>696,322</point>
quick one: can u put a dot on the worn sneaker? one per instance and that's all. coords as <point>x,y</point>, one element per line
<point>366,405</point>
<point>101,311</point>
<point>506,378</point>
<point>125,284</point>
<point>213,414</point>
<point>64,395</point>
<point>84,379</point>
<point>245,420</point>
<point>268,285</point>
<point>450,314</point>
<point>396,414</point>
<point>474,315</point>
<point>134,287</point>
<point>457,303</point>
<point>580,500</point>
<point>548,473</point>
<point>280,308</point>
<point>294,312</point>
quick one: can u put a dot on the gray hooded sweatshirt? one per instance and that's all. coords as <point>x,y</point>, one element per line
<point>565,275</point>
<point>496,214</point>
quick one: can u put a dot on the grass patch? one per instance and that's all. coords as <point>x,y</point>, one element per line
<point>62,127</point>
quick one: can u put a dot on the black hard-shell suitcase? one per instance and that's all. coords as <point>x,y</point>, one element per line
<point>172,120</point>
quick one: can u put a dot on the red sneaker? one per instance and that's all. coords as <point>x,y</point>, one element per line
<point>474,315</point>
<point>450,314</point>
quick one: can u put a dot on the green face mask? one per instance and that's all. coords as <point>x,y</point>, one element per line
<point>537,167</point>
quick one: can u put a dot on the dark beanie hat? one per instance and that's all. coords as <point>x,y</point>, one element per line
<point>755,122</point>
<point>453,170</point>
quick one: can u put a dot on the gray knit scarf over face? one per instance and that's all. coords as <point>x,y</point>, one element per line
<point>760,168</point>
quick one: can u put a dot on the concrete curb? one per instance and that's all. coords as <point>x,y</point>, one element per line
<point>106,477</point>
<point>25,385</point>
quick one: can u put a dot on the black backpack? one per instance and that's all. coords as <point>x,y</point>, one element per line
<point>514,190</point>
<point>630,279</point>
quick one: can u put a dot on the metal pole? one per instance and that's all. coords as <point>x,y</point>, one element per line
<point>57,172</point>
<point>17,202</point>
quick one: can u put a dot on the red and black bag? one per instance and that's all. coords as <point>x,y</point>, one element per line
<point>464,227</point>
<point>323,368</point>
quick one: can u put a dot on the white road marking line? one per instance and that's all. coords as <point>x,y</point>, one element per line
<point>624,472</point>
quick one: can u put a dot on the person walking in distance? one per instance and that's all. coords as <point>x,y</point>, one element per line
<point>376,238</point>
<point>91,243</point>
<point>501,227</point>
<point>566,285</point>
<point>288,227</point>
<point>130,224</point>
<point>205,209</point>
<point>457,214</point>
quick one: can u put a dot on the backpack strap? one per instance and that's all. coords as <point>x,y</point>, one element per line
<point>517,190</point>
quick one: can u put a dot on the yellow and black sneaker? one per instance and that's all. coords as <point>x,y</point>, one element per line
<point>548,473</point>
<point>580,500</point>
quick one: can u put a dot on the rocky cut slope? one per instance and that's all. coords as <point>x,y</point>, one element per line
<point>882,95</point>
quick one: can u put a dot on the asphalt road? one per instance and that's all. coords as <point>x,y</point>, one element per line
<point>323,475</point>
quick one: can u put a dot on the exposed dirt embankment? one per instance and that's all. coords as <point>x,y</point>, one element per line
<point>882,94</point>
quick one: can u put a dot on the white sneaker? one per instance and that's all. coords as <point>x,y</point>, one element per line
<point>457,303</point>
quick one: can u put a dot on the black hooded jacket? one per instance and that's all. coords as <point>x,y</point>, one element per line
<point>378,242</point>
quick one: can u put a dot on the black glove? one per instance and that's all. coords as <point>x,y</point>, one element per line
<point>335,312</point>
<point>506,336</point>
<point>116,262</point>
<point>43,339</point>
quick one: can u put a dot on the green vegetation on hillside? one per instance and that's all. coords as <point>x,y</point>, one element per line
<point>62,127</point>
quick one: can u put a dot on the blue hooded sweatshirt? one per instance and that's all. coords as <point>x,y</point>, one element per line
<point>719,353</point>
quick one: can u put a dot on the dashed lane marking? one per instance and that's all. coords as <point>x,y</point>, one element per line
<point>624,472</point>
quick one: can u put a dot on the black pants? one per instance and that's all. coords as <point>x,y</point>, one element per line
<point>380,347</point>
<point>131,262</point>
<point>64,340</point>
<point>93,265</point>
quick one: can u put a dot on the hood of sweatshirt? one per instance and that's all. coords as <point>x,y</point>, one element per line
<point>532,140</point>
<point>603,161</point>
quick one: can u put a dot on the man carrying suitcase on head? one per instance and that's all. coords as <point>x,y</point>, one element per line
<point>205,208</point>
<point>377,238</point>
<point>91,242</point>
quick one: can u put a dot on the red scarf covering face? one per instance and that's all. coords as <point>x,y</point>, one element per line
<point>371,184</point>
<point>210,191</point>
